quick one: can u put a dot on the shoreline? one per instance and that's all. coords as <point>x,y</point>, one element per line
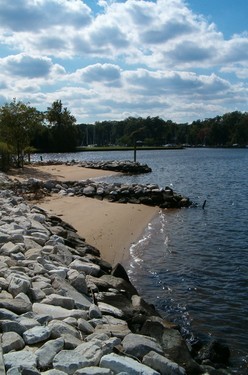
<point>110,227</point>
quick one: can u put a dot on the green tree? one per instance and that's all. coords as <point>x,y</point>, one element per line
<point>64,132</point>
<point>17,124</point>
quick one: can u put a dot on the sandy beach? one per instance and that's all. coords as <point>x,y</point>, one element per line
<point>110,227</point>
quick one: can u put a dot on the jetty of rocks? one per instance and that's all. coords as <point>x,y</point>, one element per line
<point>64,310</point>
<point>148,194</point>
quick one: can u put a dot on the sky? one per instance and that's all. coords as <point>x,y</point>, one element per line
<point>181,60</point>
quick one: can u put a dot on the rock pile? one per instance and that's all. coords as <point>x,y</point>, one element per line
<point>117,166</point>
<point>149,194</point>
<point>64,310</point>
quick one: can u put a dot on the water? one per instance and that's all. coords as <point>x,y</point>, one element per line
<point>192,263</point>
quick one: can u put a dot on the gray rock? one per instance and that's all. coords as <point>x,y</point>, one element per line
<point>85,327</point>
<point>23,358</point>
<point>79,283</point>
<point>47,352</point>
<point>57,300</point>
<point>58,328</point>
<point>94,312</point>
<point>86,267</point>
<point>162,364</point>
<point>139,345</point>
<point>56,312</point>
<point>53,372</point>
<point>118,364</point>
<point>36,334</point>
<point>12,341</point>
<point>110,310</point>
<point>18,284</point>
<point>8,315</point>
<point>28,322</point>
<point>12,326</point>
<point>91,351</point>
<point>81,301</point>
<point>69,361</point>
<point>10,248</point>
<point>93,371</point>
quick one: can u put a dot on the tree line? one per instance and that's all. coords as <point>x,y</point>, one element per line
<point>223,131</point>
<point>24,129</point>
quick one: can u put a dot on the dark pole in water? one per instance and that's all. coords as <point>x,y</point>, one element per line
<point>204,204</point>
<point>134,151</point>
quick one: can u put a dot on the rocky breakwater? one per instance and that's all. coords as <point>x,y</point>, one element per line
<point>118,166</point>
<point>149,194</point>
<point>64,310</point>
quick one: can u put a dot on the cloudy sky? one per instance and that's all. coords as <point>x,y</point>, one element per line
<point>181,60</point>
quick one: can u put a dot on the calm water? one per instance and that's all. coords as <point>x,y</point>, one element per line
<point>193,263</point>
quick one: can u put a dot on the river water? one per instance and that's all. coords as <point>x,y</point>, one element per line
<point>192,264</point>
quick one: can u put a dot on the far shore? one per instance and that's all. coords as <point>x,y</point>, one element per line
<point>110,227</point>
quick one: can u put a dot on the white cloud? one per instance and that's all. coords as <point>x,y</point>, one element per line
<point>136,56</point>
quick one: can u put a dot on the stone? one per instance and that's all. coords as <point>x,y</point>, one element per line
<point>91,351</point>
<point>58,328</point>
<point>36,334</point>
<point>85,327</point>
<point>8,315</point>
<point>110,310</point>
<point>57,300</point>
<point>87,268</point>
<point>69,361</point>
<point>79,283</point>
<point>12,341</point>
<point>12,326</point>
<point>162,364</point>
<point>56,312</point>
<point>118,364</point>
<point>94,312</point>
<point>47,352</point>
<point>93,370</point>
<point>23,358</point>
<point>139,345</point>
<point>18,284</point>
<point>54,372</point>
<point>81,301</point>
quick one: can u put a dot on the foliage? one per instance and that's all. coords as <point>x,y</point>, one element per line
<point>227,130</point>
<point>23,130</point>
<point>17,124</point>
<point>5,156</point>
<point>64,133</point>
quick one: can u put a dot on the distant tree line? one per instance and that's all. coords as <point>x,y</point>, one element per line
<point>24,129</point>
<point>225,131</point>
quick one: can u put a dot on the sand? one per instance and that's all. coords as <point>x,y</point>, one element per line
<point>110,227</point>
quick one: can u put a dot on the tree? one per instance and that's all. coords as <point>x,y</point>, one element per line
<point>64,132</point>
<point>17,123</point>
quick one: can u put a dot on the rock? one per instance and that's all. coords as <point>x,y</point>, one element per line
<point>118,364</point>
<point>12,341</point>
<point>162,364</point>
<point>56,312</point>
<point>69,361</point>
<point>47,352</point>
<point>21,359</point>
<point>94,312</point>
<point>140,345</point>
<point>57,328</point>
<point>17,306</point>
<point>93,370</point>
<point>36,334</point>
<point>87,268</point>
<point>57,300</point>
<point>85,327</point>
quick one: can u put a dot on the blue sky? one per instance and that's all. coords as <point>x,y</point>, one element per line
<point>180,60</point>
